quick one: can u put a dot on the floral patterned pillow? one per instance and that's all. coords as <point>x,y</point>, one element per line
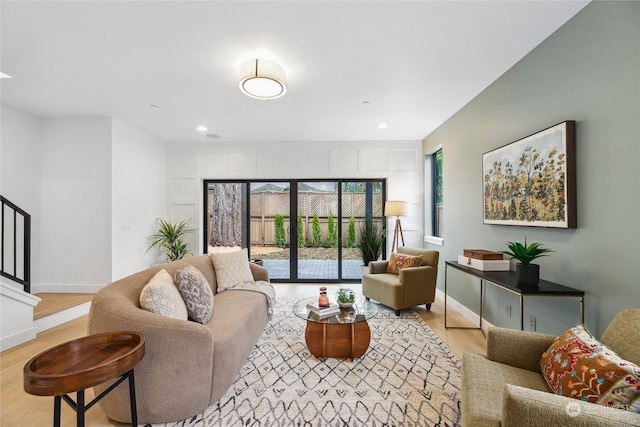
<point>399,261</point>
<point>579,366</point>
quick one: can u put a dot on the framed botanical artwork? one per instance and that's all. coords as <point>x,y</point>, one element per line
<point>532,181</point>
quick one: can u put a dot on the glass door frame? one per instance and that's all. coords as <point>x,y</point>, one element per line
<point>293,223</point>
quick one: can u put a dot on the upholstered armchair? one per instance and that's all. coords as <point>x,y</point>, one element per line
<point>409,287</point>
<point>507,388</point>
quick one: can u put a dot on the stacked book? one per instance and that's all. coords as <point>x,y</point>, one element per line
<point>484,260</point>
<point>323,312</point>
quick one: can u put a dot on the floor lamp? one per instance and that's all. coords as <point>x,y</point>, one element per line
<point>397,209</point>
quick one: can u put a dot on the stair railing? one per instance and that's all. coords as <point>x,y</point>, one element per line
<point>15,244</point>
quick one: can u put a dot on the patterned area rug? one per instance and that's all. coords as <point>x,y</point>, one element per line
<point>408,377</point>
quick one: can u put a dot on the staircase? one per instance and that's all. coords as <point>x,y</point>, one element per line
<point>15,244</point>
<point>16,301</point>
<point>20,320</point>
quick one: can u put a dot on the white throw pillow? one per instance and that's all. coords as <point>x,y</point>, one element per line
<point>231,269</point>
<point>161,296</point>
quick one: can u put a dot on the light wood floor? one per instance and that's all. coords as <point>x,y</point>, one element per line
<point>18,409</point>
<point>53,303</point>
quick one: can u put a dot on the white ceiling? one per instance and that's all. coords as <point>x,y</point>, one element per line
<point>415,62</point>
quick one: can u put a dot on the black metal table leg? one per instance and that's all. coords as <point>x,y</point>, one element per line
<point>57,401</point>
<point>80,408</point>
<point>132,397</point>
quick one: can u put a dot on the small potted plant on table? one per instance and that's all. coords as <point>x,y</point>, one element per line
<point>528,274</point>
<point>346,297</point>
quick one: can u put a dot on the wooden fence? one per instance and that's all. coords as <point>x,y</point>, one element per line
<point>264,207</point>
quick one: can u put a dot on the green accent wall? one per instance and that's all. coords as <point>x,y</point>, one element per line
<point>587,71</point>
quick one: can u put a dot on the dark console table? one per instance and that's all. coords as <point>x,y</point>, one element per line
<point>507,280</point>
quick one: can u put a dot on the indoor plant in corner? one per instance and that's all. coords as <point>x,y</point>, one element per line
<point>169,238</point>
<point>527,273</point>
<point>370,241</point>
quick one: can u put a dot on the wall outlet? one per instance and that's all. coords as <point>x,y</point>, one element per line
<point>532,323</point>
<point>507,310</point>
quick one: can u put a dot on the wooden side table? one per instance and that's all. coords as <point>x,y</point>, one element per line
<point>82,363</point>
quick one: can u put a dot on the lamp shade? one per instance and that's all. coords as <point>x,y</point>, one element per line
<point>262,79</point>
<point>395,208</point>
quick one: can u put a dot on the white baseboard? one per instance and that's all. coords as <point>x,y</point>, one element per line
<point>464,311</point>
<point>66,289</point>
<point>61,317</point>
<point>17,339</point>
<point>43,324</point>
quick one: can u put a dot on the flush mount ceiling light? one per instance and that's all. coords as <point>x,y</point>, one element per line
<point>262,79</point>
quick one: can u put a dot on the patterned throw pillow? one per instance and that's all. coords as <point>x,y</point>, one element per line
<point>196,292</point>
<point>231,268</point>
<point>399,261</point>
<point>577,365</point>
<point>161,296</point>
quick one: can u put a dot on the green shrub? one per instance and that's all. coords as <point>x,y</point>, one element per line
<point>351,234</point>
<point>316,232</point>
<point>371,239</point>
<point>302,242</point>
<point>332,232</point>
<point>281,240</point>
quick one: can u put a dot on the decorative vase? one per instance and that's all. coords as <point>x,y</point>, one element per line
<point>323,299</point>
<point>528,275</point>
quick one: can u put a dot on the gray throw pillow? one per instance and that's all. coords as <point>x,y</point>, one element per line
<point>196,293</point>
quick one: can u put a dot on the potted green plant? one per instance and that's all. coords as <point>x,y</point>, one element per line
<point>345,297</point>
<point>169,237</point>
<point>527,273</point>
<point>371,239</point>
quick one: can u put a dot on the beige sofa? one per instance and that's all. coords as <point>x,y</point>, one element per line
<point>505,387</point>
<point>412,286</point>
<point>187,366</point>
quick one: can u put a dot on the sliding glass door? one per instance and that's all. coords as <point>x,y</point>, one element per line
<point>360,199</point>
<point>270,204</point>
<point>298,230</point>
<point>317,229</point>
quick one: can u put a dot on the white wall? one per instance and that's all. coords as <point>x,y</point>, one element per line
<point>139,196</point>
<point>399,161</point>
<point>586,71</point>
<point>20,158</point>
<point>76,205</point>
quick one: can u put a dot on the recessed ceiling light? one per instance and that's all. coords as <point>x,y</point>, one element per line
<point>212,136</point>
<point>5,76</point>
<point>153,106</point>
<point>366,102</point>
<point>202,129</point>
<point>383,126</point>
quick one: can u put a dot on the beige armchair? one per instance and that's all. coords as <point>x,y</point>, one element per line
<point>412,286</point>
<point>506,388</point>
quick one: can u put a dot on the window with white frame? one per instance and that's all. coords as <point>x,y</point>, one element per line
<point>436,190</point>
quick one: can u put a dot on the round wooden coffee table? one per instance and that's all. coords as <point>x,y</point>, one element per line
<point>82,363</point>
<point>343,335</point>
